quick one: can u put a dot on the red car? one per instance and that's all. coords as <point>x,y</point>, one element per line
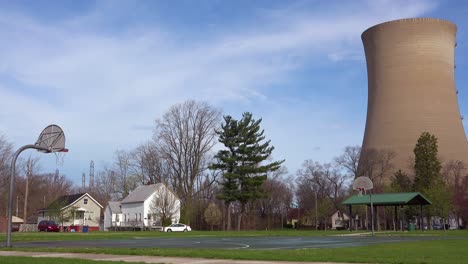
<point>48,226</point>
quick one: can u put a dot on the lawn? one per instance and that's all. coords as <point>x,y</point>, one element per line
<point>451,249</point>
<point>28,260</point>
<point>41,236</point>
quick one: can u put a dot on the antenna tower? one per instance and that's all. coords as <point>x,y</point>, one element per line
<point>91,175</point>
<point>56,175</point>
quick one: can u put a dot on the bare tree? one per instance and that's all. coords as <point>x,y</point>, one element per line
<point>377,165</point>
<point>105,186</point>
<point>185,135</point>
<point>327,179</point>
<point>328,183</point>
<point>349,160</point>
<point>30,166</point>
<point>279,198</point>
<point>454,175</point>
<point>125,180</point>
<point>5,155</point>
<point>149,164</point>
<point>452,171</point>
<point>164,205</point>
<point>46,188</point>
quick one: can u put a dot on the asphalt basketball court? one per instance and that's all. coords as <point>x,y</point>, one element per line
<point>232,243</point>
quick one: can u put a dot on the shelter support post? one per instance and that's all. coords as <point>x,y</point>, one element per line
<point>395,218</point>
<point>402,217</point>
<point>421,225</point>
<point>351,218</point>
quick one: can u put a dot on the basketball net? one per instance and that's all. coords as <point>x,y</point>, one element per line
<point>360,190</point>
<point>59,158</point>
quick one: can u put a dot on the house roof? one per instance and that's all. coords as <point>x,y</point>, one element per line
<point>16,219</point>
<point>345,215</point>
<point>141,193</point>
<point>295,213</point>
<point>411,198</point>
<point>68,200</point>
<point>115,207</point>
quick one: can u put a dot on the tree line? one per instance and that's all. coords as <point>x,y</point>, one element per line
<point>239,184</point>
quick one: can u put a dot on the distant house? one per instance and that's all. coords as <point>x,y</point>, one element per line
<point>143,208</point>
<point>73,210</point>
<point>113,215</point>
<point>340,220</point>
<point>15,223</point>
<point>295,217</point>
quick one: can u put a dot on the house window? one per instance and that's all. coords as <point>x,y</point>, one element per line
<point>85,201</point>
<point>117,218</point>
<point>149,216</point>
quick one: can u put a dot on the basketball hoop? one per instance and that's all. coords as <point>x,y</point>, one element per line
<point>60,157</point>
<point>360,191</point>
<point>364,184</point>
<point>52,139</point>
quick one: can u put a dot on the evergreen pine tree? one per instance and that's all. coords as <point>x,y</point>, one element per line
<point>227,163</point>
<point>428,179</point>
<point>401,182</point>
<point>243,163</point>
<point>426,163</point>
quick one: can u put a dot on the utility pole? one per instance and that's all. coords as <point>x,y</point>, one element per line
<point>26,192</point>
<point>17,200</point>
<point>57,174</point>
<point>91,175</point>
<point>316,214</point>
<point>83,181</point>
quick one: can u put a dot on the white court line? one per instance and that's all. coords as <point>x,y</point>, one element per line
<point>243,246</point>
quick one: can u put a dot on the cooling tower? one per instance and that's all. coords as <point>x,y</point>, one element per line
<point>411,89</point>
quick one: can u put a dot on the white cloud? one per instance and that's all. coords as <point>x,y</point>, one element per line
<point>107,84</point>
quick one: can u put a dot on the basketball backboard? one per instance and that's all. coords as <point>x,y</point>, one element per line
<point>363,183</point>
<point>52,138</point>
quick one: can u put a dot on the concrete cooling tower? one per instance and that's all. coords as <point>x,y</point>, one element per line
<point>410,68</point>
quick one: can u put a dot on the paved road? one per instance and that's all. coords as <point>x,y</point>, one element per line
<point>239,243</point>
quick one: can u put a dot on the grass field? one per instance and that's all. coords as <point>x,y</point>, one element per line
<point>28,260</point>
<point>41,236</point>
<point>449,251</point>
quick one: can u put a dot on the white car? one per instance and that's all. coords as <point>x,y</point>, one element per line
<point>177,228</point>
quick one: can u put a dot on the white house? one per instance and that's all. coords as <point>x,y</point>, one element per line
<point>143,208</point>
<point>112,215</point>
<point>73,210</point>
<point>340,220</point>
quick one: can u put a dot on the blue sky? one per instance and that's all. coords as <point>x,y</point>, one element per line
<point>105,70</point>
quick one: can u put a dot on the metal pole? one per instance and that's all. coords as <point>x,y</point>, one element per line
<point>316,214</point>
<point>17,203</point>
<point>421,224</point>
<point>12,186</point>
<point>367,217</point>
<point>402,217</point>
<point>372,213</point>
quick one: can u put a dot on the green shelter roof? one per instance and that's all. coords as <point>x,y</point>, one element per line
<point>411,198</point>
